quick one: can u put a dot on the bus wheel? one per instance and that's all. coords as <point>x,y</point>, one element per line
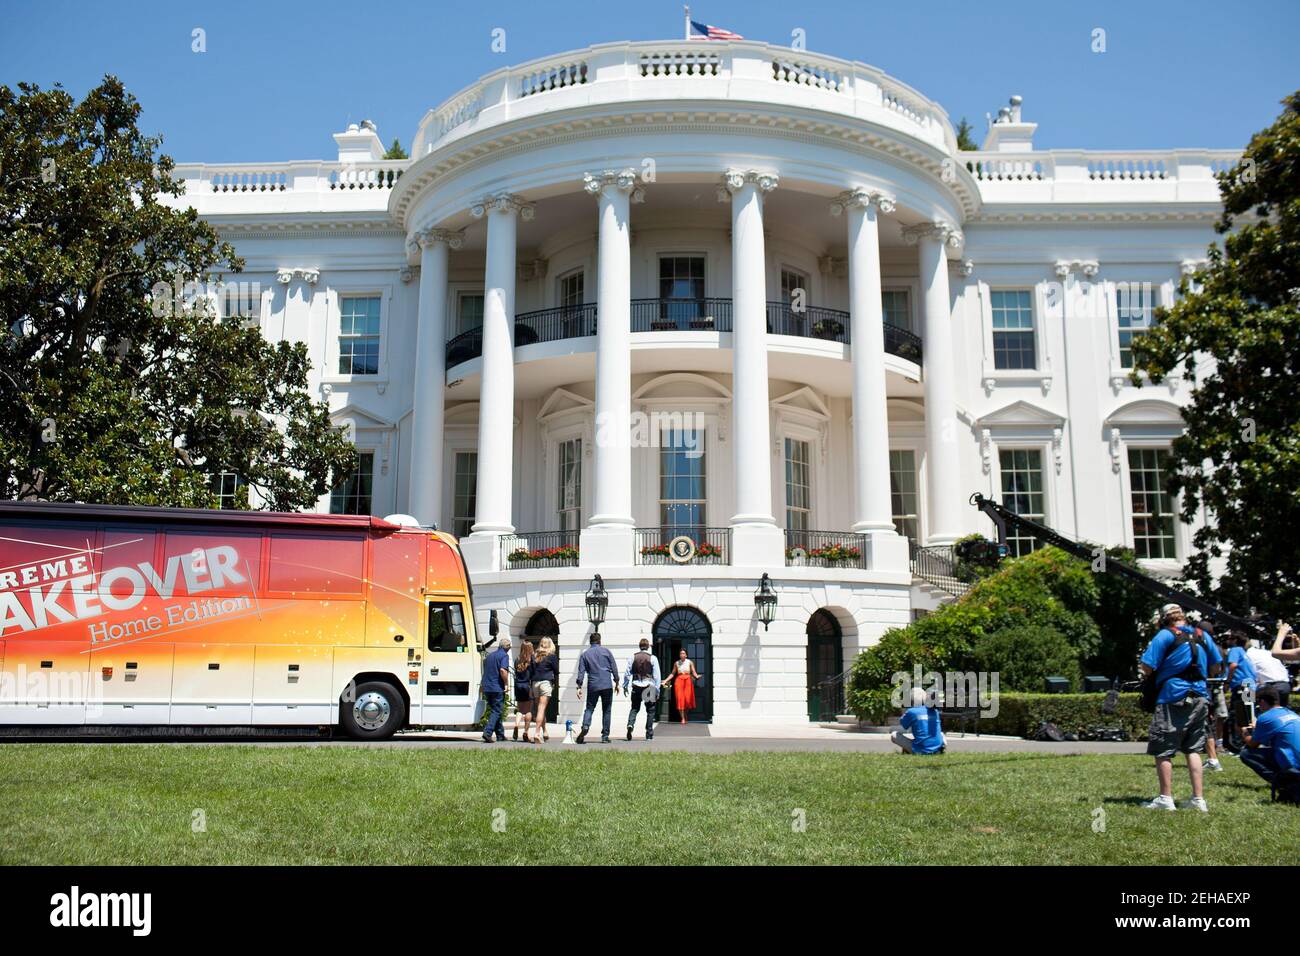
<point>376,712</point>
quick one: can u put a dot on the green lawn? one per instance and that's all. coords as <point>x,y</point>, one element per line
<point>100,804</point>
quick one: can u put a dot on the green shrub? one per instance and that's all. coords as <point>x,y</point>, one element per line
<point>1023,656</point>
<point>1020,715</point>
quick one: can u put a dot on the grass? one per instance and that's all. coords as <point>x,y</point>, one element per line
<point>125,804</point>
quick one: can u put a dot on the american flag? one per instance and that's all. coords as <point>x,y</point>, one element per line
<point>702,31</point>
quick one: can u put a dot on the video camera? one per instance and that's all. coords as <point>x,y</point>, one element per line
<point>980,551</point>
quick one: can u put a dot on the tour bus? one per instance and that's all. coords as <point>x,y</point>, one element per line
<point>159,618</point>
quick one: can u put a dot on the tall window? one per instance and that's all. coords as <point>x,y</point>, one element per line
<point>902,493</point>
<point>1022,492</point>
<point>464,490</point>
<point>682,482</point>
<point>681,277</point>
<point>897,307</point>
<point>569,454</point>
<point>241,302</point>
<point>1013,329</point>
<point>351,496</point>
<point>1153,507</point>
<point>798,485</point>
<point>1135,303</point>
<point>571,288</point>
<point>226,486</point>
<point>469,311</point>
<point>359,335</point>
<point>791,280</point>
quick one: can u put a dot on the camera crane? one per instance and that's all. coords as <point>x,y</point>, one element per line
<point>1004,518</point>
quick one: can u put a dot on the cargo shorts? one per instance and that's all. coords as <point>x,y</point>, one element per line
<point>1179,727</point>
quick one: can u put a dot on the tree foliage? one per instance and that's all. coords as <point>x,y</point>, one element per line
<point>1235,334</point>
<point>965,139</point>
<point>395,151</point>
<point>112,390</point>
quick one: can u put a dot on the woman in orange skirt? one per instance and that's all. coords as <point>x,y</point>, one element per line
<point>683,680</point>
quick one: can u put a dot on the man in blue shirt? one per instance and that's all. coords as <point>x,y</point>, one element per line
<point>924,723</point>
<point>598,664</point>
<point>496,676</point>
<point>1273,744</point>
<point>1240,677</point>
<point>1181,659</point>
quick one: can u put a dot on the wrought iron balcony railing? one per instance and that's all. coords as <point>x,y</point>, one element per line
<point>681,315</point>
<point>539,549</point>
<point>660,546</point>
<point>825,549</point>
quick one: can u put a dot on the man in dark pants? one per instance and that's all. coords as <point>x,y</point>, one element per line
<point>642,676</point>
<point>598,664</point>
<point>1273,744</point>
<point>496,677</point>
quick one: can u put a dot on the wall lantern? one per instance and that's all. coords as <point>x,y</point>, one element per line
<point>597,602</point>
<point>765,601</point>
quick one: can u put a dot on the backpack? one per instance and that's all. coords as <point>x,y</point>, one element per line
<point>1150,687</point>
<point>643,665</point>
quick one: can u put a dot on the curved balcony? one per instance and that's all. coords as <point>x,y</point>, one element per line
<point>681,315</point>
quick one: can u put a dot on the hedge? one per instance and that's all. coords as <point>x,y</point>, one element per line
<point>1020,715</point>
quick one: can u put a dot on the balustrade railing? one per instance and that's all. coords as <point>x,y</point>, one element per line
<point>681,315</point>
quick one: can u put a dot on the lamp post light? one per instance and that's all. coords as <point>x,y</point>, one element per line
<point>765,601</point>
<point>597,602</point>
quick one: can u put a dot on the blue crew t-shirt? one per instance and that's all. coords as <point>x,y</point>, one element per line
<point>1279,728</point>
<point>1245,672</point>
<point>924,724</point>
<point>495,663</point>
<point>1167,661</point>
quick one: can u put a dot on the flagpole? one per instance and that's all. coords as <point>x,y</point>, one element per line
<point>688,23</point>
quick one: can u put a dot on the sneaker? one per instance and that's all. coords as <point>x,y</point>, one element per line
<point>604,738</point>
<point>649,735</point>
<point>487,740</point>
<point>629,733</point>
<point>1196,803</point>
<point>582,737</point>
<point>1160,803</point>
<point>1214,765</point>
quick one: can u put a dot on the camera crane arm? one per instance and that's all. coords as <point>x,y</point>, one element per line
<point>1004,518</point>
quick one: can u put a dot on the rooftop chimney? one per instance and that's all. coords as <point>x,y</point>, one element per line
<point>1007,133</point>
<point>359,143</point>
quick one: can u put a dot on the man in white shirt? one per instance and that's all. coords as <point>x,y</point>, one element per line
<point>1270,672</point>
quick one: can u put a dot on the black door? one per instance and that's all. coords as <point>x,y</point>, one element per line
<point>685,628</point>
<point>540,625</point>
<point>825,663</point>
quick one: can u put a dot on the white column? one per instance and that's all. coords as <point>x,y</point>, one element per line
<point>872,511</point>
<point>942,465</point>
<point>425,488</point>
<point>496,403</point>
<point>755,539</point>
<point>607,540</point>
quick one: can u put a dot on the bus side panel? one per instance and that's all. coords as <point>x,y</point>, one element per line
<point>294,684</point>
<point>131,684</point>
<point>392,662</point>
<point>44,682</point>
<point>213,684</point>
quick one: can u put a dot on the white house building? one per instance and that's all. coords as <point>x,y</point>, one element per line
<point>731,293</point>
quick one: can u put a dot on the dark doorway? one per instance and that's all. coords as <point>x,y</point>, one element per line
<point>540,625</point>
<point>825,664</point>
<point>675,629</point>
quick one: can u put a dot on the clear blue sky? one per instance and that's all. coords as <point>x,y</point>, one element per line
<point>278,78</point>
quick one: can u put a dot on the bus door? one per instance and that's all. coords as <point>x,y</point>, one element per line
<point>449,669</point>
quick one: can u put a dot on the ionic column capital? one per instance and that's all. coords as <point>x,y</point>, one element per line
<point>309,276</point>
<point>860,199</point>
<point>945,233</point>
<point>623,180</point>
<point>735,179</point>
<point>428,238</point>
<point>503,202</point>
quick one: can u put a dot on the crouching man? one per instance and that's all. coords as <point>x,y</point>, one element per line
<point>1273,744</point>
<point>923,722</point>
